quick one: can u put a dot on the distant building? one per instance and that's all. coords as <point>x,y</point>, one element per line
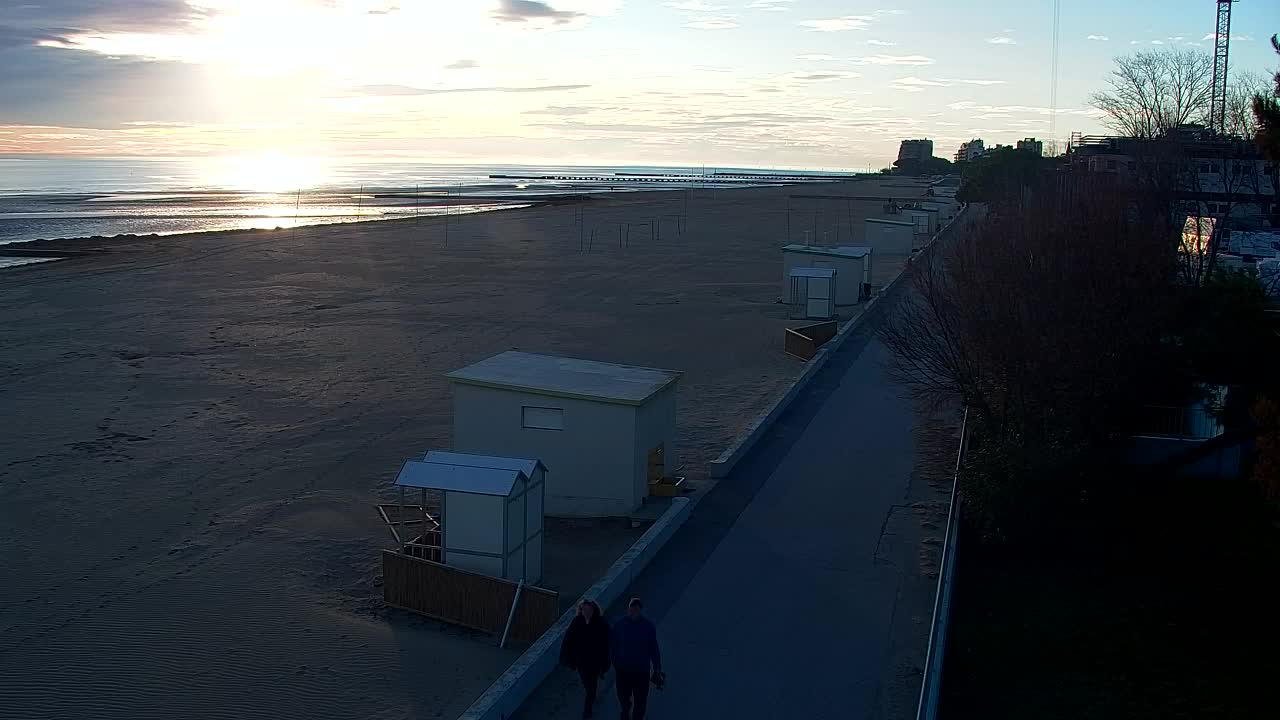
<point>1223,186</point>
<point>911,150</point>
<point>1031,145</point>
<point>1214,176</point>
<point>971,150</point>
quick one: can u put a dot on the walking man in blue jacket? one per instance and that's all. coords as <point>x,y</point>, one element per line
<point>634,647</point>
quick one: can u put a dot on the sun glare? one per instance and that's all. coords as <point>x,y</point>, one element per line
<point>268,172</point>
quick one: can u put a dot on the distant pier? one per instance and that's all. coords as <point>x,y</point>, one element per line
<point>726,178</point>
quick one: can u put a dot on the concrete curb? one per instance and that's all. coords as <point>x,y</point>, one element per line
<point>723,465</point>
<point>514,686</point>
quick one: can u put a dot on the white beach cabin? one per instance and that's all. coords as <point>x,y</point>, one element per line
<point>852,265</point>
<point>490,511</point>
<point>606,430</point>
<point>890,237</point>
<point>812,293</point>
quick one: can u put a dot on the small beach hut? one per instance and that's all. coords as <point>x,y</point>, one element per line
<point>890,237</point>
<point>852,265</point>
<point>812,294</point>
<point>490,511</point>
<point>607,431</point>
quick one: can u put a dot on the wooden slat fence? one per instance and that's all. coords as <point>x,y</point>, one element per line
<point>465,598</point>
<point>804,341</point>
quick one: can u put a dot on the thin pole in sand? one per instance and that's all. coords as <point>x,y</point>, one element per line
<point>849,209</point>
<point>359,202</point>
<point>297,206</point>
<point>400,520</point>
<point>447,199</point>
<point>423,537</point>
<point>788,219</point>
<point>415,204</point>
<point>591,243</point>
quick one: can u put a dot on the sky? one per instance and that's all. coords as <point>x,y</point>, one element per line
<point>750,83</point>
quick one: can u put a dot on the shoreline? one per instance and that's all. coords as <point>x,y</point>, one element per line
<point>549,200</point>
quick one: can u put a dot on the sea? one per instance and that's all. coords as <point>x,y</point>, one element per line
<point>72,197</point>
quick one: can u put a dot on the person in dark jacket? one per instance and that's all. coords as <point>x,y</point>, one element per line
<point>586,649</point>
<point>634,647</point>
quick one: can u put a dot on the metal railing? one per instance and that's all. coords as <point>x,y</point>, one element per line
<point>1184,423</point>
<point>931,683</point>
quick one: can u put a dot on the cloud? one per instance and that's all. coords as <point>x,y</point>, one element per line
<point>523,11</point>
<point>818,57</point>
<point>408,90</point>
<point>840,24</point>
<point>975,82</point>
<point>1103,38</point>
<point>892,60</point>
<point>1002,40</point>
<point>462,65</point>
<point>44,85</point>
<point>915,84</point>
<point>694,6</point>
<point>560,110</point>
<point>712,24</point>
<point>1234,38</point>
<point>70,17</point>
<point>822,76</point>
<point>770,5</point>
<point>1023,109</point>
<point>882,43</point>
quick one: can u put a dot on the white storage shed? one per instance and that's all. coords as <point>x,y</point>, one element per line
<point>490,511</point>
<point>812,293</point>
<point>852,265</point>
<point>890,237</point>
<point>606,430</point>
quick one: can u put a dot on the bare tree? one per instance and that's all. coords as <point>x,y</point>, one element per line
<point>1266,112</point>
<point>1155,91</point>
<point>1244,86</point>
<point>1043,321</point>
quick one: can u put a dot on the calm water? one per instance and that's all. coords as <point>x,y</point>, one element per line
<point>73,197</point>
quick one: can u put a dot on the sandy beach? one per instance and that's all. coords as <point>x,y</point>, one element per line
<point>197,428</point>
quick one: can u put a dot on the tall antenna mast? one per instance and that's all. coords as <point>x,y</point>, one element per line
<point>1053,70</point>
<point>1221,43</point>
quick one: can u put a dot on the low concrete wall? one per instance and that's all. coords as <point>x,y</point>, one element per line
<point>524,676</point>
<point>723,465</point>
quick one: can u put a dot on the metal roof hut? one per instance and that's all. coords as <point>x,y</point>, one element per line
<point>851,263</point>
<point>890,237</point>
<point>490,511</point>
<point>812,294</point>
<point>607,430</point>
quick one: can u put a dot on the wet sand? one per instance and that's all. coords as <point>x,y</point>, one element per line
<point>197,428</point>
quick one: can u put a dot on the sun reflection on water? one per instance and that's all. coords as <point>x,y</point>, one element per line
<point>269,172</point>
